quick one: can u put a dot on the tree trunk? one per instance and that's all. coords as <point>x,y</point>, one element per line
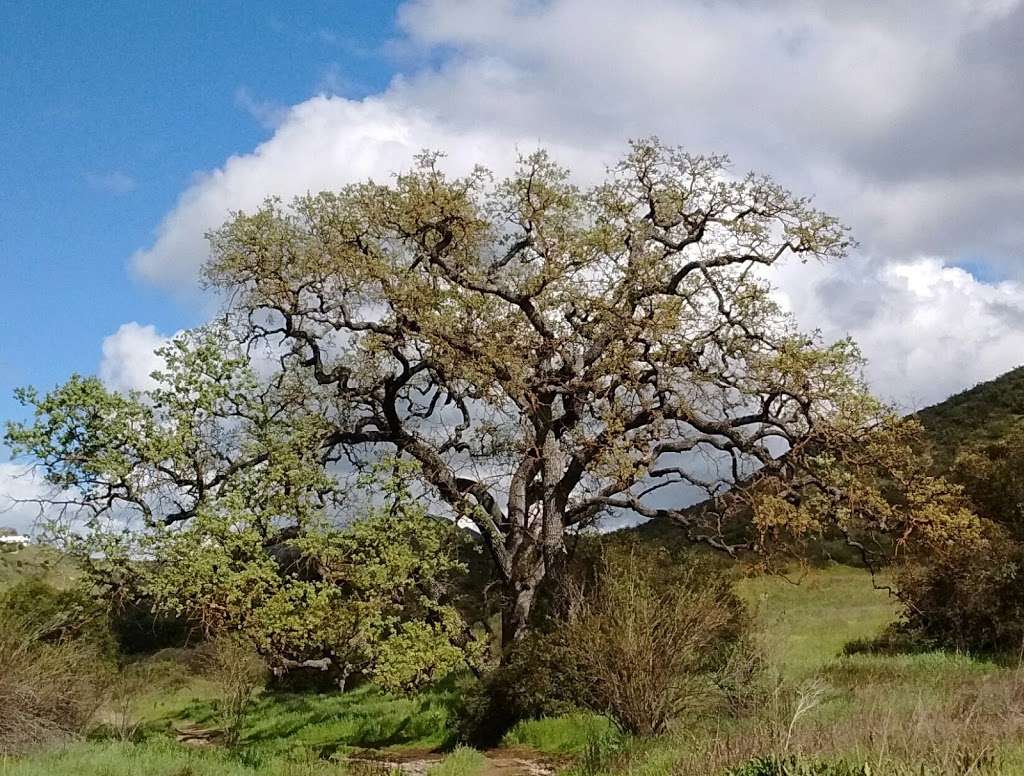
<point>520,596</point>
<point>515,616</point>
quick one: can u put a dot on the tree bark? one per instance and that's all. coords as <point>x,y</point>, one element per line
<point>517,610</point>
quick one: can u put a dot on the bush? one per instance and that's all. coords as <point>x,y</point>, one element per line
<point>647,638</point>
<point>969,598</point>
<point>239,673</point>
<point>60,614</point>
<point>535,680</point>
<point>642,636</point>
<point>49,688</point>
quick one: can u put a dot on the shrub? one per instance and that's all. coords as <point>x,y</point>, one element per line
<point>640,636</point>
<point>56,614</point>
<point>647,637</point>
<point>535,679</point>
<point>239,673</point>
<point>49,688</point>
<point>969,598</point>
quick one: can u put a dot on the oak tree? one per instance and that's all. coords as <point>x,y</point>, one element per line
<point>547,355</point>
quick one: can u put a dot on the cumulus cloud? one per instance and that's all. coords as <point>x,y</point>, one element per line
<point>902,118</point>
<point>928,329</point>
<point>323,143</point>
<point>129,357</point>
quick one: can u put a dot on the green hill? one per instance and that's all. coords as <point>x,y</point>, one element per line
<point>985,412</point>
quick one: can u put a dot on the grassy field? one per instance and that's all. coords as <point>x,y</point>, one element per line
<point>946,712</point>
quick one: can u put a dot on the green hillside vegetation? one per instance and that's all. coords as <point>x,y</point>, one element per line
<point>986,412</point>
<point>33,562</point>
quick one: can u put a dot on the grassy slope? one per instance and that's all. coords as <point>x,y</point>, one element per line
<point>806,619</point>
<point>32,562</point>
<point>983,412</point>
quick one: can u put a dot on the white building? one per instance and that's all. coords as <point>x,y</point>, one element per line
<point>21,541</point>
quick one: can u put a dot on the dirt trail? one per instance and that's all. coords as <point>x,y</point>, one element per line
<point>500,762</point>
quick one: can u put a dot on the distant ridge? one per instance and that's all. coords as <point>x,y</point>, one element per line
<point>982,413</point>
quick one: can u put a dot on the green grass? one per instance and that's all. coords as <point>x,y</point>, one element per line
<point>326,724</point>
<point>462,761</point>
<point>566,735</point>
<point>806,625</point>
<point>159,758</point>
<point>33,562</point>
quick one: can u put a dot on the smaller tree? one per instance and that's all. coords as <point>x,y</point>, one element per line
<point>370,597</point>
<point>991,475</point>
<point>239,673</point>
<point>212,498</point>
<point>968,595</point>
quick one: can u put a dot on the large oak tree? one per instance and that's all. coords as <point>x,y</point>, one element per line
<point>547,355</point>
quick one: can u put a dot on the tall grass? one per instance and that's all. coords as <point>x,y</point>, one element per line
<point>161,758</point>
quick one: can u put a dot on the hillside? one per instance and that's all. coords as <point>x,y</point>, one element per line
<point>981,413</point>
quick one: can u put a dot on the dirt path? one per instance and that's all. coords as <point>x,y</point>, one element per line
<point>500,762</point>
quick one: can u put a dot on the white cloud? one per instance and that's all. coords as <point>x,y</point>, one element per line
<point>18,485</point>
<point>129,357</point>
<point>902,118</point>
<point>324,143</point>
<point>928,329</point>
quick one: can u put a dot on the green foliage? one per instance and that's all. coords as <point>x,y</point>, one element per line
<point>60,614</point>
<point>251,542</point>
<point>369,595</point>
<point>990,472</point>
<point>970,597</point>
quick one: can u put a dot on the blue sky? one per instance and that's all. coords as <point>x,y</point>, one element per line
<point>107,110</point>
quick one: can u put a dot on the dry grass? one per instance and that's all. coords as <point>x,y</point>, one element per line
<point>47,691</point>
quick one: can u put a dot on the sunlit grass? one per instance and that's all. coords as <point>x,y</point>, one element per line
<point>463,761</point>
<point>804,623</point>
